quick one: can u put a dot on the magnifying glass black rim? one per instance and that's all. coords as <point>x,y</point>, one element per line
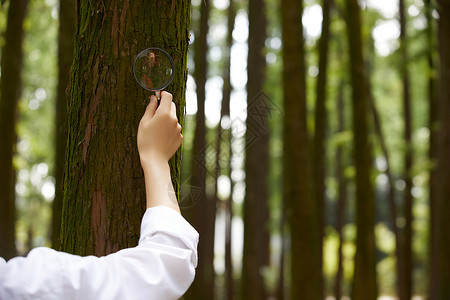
<point>171,64</point>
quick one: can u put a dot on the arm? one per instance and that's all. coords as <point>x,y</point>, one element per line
<point>162,266</point>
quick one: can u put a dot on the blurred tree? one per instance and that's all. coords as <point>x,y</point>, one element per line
<point>444,150</point>
<point>432,152</point>
<point>104,193</point>
<point>406,273</point>
<point>301,210</point>
<point>10,91</point>
<point>364,280</point>
<point>256,214</point>
<point>65,57</point>
<point>225,112</point>
<point>320,121</point>
<point>202,213</point>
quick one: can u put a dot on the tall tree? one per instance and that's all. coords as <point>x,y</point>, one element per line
<point>10,90</point>
<point>104,193</point>
<point>364,281</point>
<point>444,150</point>
<point>342,193</point>
<point>65,57</point>
<point>406,271</point>
<point>256,214</point>
<point>432,152</point>
<point>225,112</point>
<point>203,213</point>
<point>320,118</point>
<point>301,210</point>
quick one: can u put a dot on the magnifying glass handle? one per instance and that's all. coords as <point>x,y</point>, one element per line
<point>158,96</point>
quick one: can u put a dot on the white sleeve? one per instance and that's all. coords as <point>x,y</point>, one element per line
<point>162,266</point>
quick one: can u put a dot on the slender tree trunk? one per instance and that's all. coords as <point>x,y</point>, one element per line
<point>256,214</point>
<point>301,210</point>
<point>65,57</point>
<point>203,213</point>
<point>104,193</point>
<point>342,194</point>
<point>10,89</point>
<point>225,111</point>
<point>364,282</point>
<point>444,150</point>
<point>320,119</point>
<point>406,272</point>
<point>391,197</point>
<point>432,154</point>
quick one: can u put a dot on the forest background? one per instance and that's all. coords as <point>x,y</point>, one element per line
<point>272,174</point>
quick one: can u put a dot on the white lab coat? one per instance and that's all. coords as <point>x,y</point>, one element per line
<point>162,266</point>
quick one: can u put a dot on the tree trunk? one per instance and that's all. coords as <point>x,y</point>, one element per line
<point>406,272</point>
<point>104,193</point>
<point>364,282</point>
<point>225,112</point>
<point>256,214</point>
<point>432,154</point>
<point>320,120</point>
<point>65,57</point>
<point>342,194</point>
<point>204,211</point>
<point>444,150</point>
<point>301,210</point>
<point>10,88</point>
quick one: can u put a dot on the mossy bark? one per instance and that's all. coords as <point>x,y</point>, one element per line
<point>104,193</point>
<point>65,57</point>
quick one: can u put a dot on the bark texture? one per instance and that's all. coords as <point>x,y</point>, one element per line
<point>364,281</point>
<point>104,193</point>
<point>10,87</point>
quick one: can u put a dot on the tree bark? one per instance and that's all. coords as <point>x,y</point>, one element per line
<point>104,192</point>
<point>65,57</point>
<point>301,210</point>
<point>444,150</point>
<point>256,214</point>
<point>364,282</point>
<point>10,89</point>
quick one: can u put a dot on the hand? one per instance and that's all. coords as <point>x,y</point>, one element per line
<point>159,133</point>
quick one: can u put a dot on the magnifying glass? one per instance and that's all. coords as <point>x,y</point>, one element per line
<point>153,69</point>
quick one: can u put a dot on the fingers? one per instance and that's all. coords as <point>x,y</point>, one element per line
<point>166,100</point>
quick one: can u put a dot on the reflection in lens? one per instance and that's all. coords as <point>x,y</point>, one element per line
<point>153,69</point>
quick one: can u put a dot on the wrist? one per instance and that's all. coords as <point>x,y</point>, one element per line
<point>155,166</point>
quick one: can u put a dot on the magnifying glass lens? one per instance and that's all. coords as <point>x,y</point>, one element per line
<point>153,69</point>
